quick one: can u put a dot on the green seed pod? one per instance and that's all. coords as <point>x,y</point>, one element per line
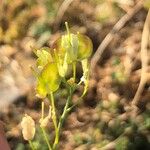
<point>62,64</point>
<point>77,47</point>
<point>44,57</point>
<point>85,47</point>
<point>48,80</point>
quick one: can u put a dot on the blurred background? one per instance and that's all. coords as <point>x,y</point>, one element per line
<point>102,120</point>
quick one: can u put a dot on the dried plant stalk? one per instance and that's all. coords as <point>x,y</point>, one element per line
<point>118,26</point>
<point>144,60</point>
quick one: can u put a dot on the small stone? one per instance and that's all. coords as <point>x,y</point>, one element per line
<point>128,130</point>
<point>105,104</point>
<point>113,97</point>
<point>139,119</point>
<point>7,50</point>
<point>105,116</point>
<point>111,123</point>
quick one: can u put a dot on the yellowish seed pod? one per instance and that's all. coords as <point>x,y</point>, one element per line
<point>28,127</point>
<point>44,121</point>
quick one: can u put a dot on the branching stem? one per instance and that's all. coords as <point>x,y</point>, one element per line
<point>74,71</point>
<point>62,118</point>
<point>43,129</point>
<point>46,138</point>
<point>31,145</point>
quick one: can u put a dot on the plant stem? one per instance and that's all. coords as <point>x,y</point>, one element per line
<point>62,118</point>
<point>74,105</point>
<point>74,71</point>
<point>78,101</point>
<point>42,106</point>
<point>67,28</point>
<point>54,118</point>
<point>43,130</point>
<point>46,138</point>
<point>31,145</point>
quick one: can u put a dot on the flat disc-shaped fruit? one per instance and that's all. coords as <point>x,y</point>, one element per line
<point>40,89</point>
<point>49,80</point>
<point>85,47</point>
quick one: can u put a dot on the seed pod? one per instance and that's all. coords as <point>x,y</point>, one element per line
<point>48,80</point>
<point>85,47</point>
<point>28,127</point>
<point>44,57</point>
<point>77,47</point>
<point>44,121</point>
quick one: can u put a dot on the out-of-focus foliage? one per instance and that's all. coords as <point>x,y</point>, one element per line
<point>26,18</point>
<point>122,143</point>
<point>118,75</point>
<point>109,10</point>
<point>106,11</point>
<point>15,19</point>
<point>147,3</point>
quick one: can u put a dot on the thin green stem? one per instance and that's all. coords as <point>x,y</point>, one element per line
<point>78,102</point>
<point>74,71</point>
<point>67,28</point>
<point>79,83</point>
<point>31,145</point>
<point>62,118</point>
<point>43,130</point>
<point>42,106</point>
<point>46,138</point>
<point>54,117</point>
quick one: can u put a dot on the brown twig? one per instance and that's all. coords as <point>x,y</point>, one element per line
<point>62,9</point>
<point>109,146</point>
<point>144,59</point>
<point>97,56</point>
<point>112,144</point>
